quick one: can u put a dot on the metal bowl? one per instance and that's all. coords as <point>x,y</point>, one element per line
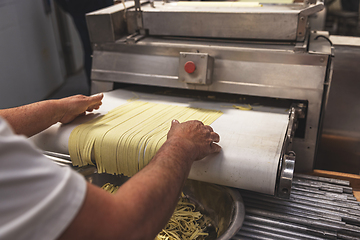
<point>223,205</point>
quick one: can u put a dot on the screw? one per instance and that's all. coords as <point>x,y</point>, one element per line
<point>322,59</point>
<point>302,18</point>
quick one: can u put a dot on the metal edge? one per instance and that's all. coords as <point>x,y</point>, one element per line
<point>287,157</point>
<point>238,219</point>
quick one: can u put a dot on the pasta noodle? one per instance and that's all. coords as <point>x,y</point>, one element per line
<point>110,188</point>
<point>124,140</point>
<point>185,224</point>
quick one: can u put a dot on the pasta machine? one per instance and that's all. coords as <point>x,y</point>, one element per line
<point>227,56</point>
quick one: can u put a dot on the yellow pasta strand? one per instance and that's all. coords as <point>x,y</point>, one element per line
<point>125,139</point>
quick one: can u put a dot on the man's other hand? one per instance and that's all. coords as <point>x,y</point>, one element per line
<point>78,105</point>
<point>199,139</point>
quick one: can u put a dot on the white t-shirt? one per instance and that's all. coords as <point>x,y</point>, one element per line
<point>38,199</point>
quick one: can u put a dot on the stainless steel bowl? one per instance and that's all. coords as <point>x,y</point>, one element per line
<point>223,205</point>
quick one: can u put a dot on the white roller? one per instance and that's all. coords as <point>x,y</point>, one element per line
<point>251,141</point>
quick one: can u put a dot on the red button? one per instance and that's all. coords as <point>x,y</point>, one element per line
<point>189,67</point>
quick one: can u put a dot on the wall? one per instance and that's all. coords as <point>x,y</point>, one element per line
<point>30,63</point>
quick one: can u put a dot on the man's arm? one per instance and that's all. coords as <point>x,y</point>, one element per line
<point>36,117</point>
<point>143,205</point>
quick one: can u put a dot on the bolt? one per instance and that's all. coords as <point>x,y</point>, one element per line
<point>322,59</point>
<point>302,18</point>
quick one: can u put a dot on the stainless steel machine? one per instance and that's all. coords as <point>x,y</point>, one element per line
<point>266,53</point>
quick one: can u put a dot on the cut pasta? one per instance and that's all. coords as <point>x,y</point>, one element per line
<point>111,188</point>
<point>186,223</point>
<point>125,139</point>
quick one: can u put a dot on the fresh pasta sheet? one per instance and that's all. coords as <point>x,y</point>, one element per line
<point>124,140</point>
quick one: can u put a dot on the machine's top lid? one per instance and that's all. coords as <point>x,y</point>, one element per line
<point>221,20</point>
<point>241,20</point>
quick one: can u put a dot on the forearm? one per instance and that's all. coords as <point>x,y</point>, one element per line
<point>33,118</point>
<point>153,193</point>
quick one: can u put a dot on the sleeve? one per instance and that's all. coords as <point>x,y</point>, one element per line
<point>38,199</point>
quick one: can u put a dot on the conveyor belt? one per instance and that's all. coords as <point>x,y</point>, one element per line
<point>250,148</point>
<point>318,208</point>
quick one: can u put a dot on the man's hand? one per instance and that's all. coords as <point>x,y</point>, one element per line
<point>75,106</point>
<point>198,139</point>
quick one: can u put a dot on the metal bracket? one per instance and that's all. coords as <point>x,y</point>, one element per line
<point>287,160</point>
<point>303,18</point>
<point>286,175</point>
<point>301,31</point>
<point>303,46</point>
<point>139,18</point>
<point>300,110</point>
<point>290,130</point>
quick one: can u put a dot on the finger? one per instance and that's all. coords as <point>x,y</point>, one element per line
<point>94,106</point>
<point>97,97</point>
<point>209,128</point>
<point>215,148</point>
<point>215,137</point>
<point>200,122</point>
<point>89,109</point>
<point>194,122</point>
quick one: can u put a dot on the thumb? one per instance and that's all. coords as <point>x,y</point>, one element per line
<point>174,122</point>
<point>172,127</point>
